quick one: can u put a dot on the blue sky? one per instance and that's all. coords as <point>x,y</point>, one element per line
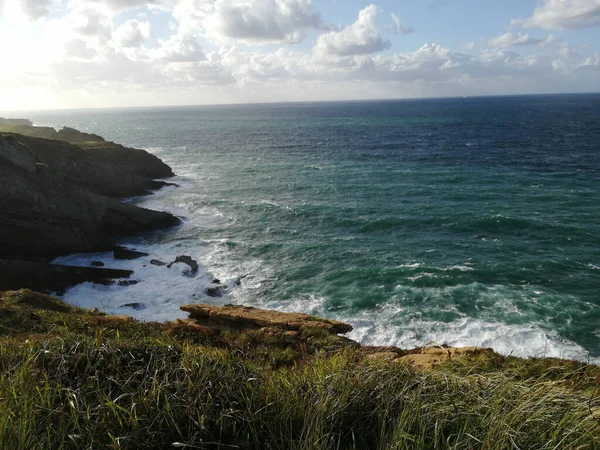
<point>106,53</point>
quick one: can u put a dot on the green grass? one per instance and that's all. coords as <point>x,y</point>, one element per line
<point>84,380</point>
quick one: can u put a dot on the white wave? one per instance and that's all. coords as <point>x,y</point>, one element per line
<point>522,340</point>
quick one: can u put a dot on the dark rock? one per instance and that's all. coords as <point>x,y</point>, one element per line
<point>128,254</point>
<point>45,215</point>
<point>156,262</point>
<point>58,197</point>
<point>136,306</point>
<point>218,291</point>
<point>97,264</point>
<point>127,282</point>
<point>52,277</point>
<point>186,260</point>
<point>216,281</point>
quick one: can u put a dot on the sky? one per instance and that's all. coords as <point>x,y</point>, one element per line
<point>119,53</point>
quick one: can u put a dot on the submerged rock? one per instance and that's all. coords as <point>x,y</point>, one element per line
<point>127,282</point>
<point>126,253</point>
<point>217,291</point>
<point>137,306</point>
<point>97,264</point>
<point>156,262</point>
<point>186,260</point>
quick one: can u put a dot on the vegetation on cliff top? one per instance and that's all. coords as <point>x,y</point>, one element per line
<point>71,378</point>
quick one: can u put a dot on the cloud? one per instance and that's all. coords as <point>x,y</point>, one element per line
<point>251,21</point>
<point>36,8</point>
<point>399,26</point>
<point>512,39</point>
<point>131,33</point>
<point>119,5</point>
<point>363,37</point>
<point>179,48</point>
<point>563,15</point>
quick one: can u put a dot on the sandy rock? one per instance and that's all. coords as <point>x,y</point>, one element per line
<point>241,317</point>
<point>429,357</point>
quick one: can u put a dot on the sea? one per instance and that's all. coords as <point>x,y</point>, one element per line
<point>464,221</point>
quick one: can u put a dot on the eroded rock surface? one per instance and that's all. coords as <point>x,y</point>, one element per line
<point>15,274</point>
<point>241,317</point>
<point>58,198</point>
<point>193,264</point>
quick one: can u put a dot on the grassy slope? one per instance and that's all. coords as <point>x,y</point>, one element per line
<point>77,379</point>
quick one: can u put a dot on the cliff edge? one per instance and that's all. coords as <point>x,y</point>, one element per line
<point>58,197</point>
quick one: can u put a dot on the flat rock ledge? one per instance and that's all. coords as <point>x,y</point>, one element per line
<point>427,357</point>
<point>236,317</point>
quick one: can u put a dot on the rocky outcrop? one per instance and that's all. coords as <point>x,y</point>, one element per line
<point>247,317</point>
<point>8,122</point>
<point>184,259</point>
<point>126,253</point>
<point>104,168</point>
<point>427,357</point>
<point>58,198</point>
<point>26,128</point>
<point>15,274</point>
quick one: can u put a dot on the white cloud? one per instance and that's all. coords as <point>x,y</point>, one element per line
<point>131,33</point>
<point>179,48</point>
<point>563,15</point>
<point>591,62</point>
<point>36,8</point>
<point>514,39</point>
<point>119,5</point>
<point>250,21</point>
<point>363,37</point>
<point>399,27</point>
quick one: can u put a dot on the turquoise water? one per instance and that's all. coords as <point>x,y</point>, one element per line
<point>459,221</point>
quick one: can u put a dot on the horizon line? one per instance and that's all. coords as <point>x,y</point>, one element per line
<point>297,102</point>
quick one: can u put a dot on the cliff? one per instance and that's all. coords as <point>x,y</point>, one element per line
<point>57,197</point>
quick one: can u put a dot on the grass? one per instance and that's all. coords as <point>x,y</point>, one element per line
<point>74,379</point>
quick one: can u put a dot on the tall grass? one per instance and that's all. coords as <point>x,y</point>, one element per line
<point>118,391</point>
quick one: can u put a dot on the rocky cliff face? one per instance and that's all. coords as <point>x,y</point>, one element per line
<point>58,198</point>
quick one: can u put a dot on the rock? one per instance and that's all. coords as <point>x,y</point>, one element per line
<point>136,306</point>
<point>388,356</point>
<point>156,262</point>
<point>45,214</point>
<point>97,264</point>
<point>186,260</point>
<point>241,317</point>
<point>127,254</point>
<point>429,357</point>
<point>217,291</point>
<point>127,282</point>
<point>4,122</point>
<point>52,277</point>
<point>216,281</point>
